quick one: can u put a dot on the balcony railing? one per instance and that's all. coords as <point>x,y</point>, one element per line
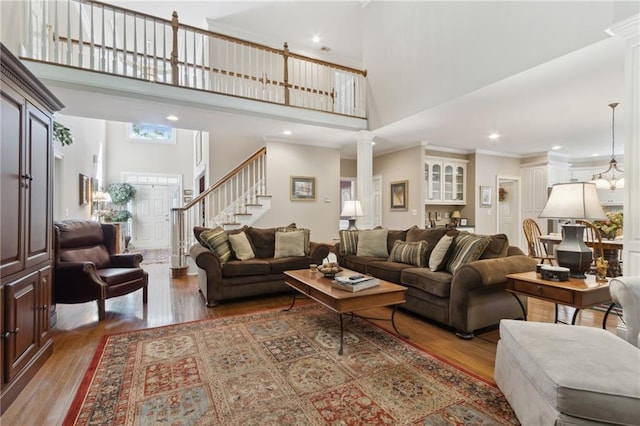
<point>100,37</point>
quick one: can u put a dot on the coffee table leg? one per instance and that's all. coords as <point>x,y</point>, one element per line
<point>341,335</point>
<point>293,301</point>
<point>393,322</point>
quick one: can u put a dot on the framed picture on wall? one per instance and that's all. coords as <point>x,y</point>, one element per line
<point>303,188</point>
<point>463,222</point>
<point>485,196</point>
<point>399,195</point>
<point>85,189</point>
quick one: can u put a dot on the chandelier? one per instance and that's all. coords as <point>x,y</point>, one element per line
<point>609,179</point>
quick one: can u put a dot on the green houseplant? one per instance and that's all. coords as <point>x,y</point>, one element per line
<point>121,193</point>
<point>62,134</point>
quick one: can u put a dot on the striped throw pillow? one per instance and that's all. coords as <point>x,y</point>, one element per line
<point>412,253</point>
<point>466,248</point>
<point>348,242</point>
<point>217,241</point>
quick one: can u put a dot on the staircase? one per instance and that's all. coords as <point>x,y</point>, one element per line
<point>236,200</point>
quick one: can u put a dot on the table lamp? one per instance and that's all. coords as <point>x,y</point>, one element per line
<point>456,217</point>
<point>575,200</point>
<point>352,209</point>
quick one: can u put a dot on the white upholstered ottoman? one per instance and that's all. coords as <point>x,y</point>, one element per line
<point>556,374</point>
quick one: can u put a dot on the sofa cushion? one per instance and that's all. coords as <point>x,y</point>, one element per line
<point>385,270</point>
<point>467,248</point>
<point>217,241</point>
<point>357,263</point>
<point>438,258</point>
<point>115,276</point>
<point>241,246</point>
<point>240,268</point>
<point>410,253</point>
<point>96,254</point>
<point>436,283</point>
<point>555,357</point>
<point>430,235</point>
<point>348,242</point>
<point>372,242</point>
<point>263,241</point>
<point>393,236</point>
<point>282,264</point>
<point>290,243</point>
<point>497,247</point>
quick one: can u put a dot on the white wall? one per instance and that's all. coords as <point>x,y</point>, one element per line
<point>320,216</point>
<point>399,166</point>
<point>77,159</point>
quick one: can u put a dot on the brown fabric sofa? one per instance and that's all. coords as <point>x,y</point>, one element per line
<point>219,281</point>
<point>472,298</point>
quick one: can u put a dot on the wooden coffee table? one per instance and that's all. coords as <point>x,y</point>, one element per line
<point>579,293</point>
<point>317,287</point>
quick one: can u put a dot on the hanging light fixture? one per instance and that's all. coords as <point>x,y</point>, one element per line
<point>612,181</point>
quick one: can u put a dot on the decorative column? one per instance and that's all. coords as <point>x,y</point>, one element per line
<point>365,178</point>
<point>629,30</point>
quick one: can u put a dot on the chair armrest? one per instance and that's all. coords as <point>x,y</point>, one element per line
<point>319,252</point>
<point>625,291</point>
<point>75,267</point>
<point>126,260</point>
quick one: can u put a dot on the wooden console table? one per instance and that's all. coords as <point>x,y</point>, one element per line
<point>577,293</point>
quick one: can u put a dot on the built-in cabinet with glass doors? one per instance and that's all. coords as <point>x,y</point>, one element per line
<point>445,181</point>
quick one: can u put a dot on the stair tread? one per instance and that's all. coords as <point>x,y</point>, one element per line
<point>253,205</point>
<point>243,214</point>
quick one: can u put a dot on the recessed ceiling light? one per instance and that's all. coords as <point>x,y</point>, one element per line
<point>556,147</point>
<point>594,155</point>
<point>494,136</point>
<point>172,118</point>
<point>316,39</point>
<point>287,132</point>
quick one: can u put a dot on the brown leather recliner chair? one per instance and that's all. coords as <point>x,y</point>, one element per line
<point>86,267</point>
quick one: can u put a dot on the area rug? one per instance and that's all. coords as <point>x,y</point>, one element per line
<point>152,256</point>
<point>278,368</point>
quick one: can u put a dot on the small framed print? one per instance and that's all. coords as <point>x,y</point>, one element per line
<point>485,196</point>
<point>463,222</point>
<point>303,188</point>
<point>399,195</point>
<point>187,192</point>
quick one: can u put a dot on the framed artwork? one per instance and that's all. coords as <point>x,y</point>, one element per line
<point>485,196</point>
<point>463,222</point>
<point>303,188</point>
<point>85,189</point>
<point>399,195</point>
<point>187,192</point>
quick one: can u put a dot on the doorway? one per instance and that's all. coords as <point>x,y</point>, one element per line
<point>508,211</point>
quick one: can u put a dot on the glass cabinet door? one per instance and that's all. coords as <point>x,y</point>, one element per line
<point>436,182</point>
<point>448,182</point>
<point>459,188</point>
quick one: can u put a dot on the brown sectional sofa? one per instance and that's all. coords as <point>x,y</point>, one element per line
<point>472,298</point>
<point>264,274</point>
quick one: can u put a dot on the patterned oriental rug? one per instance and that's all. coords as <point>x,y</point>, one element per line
<point>278,368</point>
<point>151,256</point>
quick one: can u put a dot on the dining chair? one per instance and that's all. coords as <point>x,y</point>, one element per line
<point>594,240</point>
<point>537,249</point>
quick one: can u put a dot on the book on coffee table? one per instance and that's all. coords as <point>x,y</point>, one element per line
<point>357,284</point>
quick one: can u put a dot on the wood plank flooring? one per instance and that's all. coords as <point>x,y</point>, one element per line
<point>77,334</point>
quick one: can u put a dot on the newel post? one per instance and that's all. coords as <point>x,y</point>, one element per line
<point>174,50</point>
<point>285,54</point>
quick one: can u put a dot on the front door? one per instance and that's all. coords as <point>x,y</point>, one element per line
<point>151,219</point>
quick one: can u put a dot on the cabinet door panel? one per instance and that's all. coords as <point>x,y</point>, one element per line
<point>44,304</point>
<point>38,203</point>
<point>21,323</point>
<point>11,189</point>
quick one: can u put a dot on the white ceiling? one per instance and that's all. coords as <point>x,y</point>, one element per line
<point>561,102</point>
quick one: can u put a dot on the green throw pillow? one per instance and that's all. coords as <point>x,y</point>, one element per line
<point>467,248</point>
<point>241,246</point>
<point>373,242</point>
<point>289,243</point>
<point>217,241</point>
<point>412,253</point>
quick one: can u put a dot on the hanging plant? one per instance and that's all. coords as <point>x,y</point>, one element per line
<point>62,134</point>
<point>121,193</point>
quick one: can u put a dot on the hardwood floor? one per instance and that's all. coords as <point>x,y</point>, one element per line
<point>78,332</point>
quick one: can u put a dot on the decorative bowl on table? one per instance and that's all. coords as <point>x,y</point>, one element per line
<point>329,269</point>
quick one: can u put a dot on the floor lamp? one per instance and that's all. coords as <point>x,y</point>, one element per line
<point>352,209</point>
<point>575,200</point>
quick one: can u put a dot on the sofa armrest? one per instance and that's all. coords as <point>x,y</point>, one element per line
<point>208,261</point>
<point>319,252</point>
<point>126,260</point>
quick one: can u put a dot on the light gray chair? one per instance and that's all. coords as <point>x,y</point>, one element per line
<point>558,374</point>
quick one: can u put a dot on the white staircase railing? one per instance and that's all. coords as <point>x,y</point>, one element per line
<point>219,205</point>
<point>100,37</point>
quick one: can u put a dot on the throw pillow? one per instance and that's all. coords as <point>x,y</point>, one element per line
<point>348,242</point>
<point>409,253</point>
<point>241,246</point>
<point>467,248</point>
<point>217,241</point>
<point>289,243</point>
<point>373,242</point>
<point>439,253</point>
<point>498,247</point>
<point>307,236</point>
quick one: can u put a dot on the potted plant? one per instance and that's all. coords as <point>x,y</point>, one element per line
<point>609,228</point>
<point>121,193</point>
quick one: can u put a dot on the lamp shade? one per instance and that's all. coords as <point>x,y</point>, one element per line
<point>351,208</point>
<point>574,200</point>
<point>455,214</point>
